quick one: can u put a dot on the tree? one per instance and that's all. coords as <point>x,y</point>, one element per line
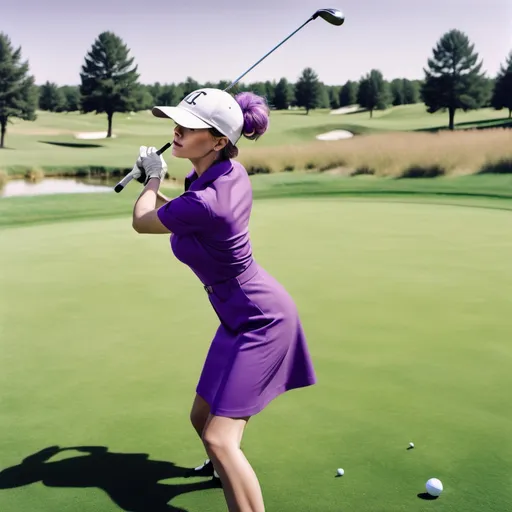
<point>348,94</point>
<point>259,88</point>
<point>282,96</point>
<point>453,79</point>
<point>397,92</point>
<point>143,98</point>
<point>270,88</point>
<point>169,94</point>
<point>51,98</point>
<point>334,97</point>
<point>325,100</point>
<point>188,86</point>
<point>373,92</point>
<point>18,94</point>
<point>308,90</point>
<point>404,92</point>
<point>72,97</point>
<point>490,83</point>
<point>411,91</point>
<point>502,94</point>
<point>109,83</point>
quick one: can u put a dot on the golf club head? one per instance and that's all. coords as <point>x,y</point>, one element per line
<point>332,16</point>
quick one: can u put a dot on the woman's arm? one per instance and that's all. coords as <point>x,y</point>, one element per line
<point>145,217</point>
<point>161,199</point>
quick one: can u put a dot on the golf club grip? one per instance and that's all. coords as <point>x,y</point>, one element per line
<point>129,177</point>
<point>165,147</point>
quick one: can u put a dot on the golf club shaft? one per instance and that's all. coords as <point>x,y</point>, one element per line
<point>265,56</point>
<point>129,176</point>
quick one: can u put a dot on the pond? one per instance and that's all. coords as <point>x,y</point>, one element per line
<point>21,187</point>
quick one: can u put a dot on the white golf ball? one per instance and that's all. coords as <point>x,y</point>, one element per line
<point>411,445</point>
<point>340,471</point>
<point>434,486</point>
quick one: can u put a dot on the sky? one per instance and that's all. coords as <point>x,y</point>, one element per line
<point>212,40</point>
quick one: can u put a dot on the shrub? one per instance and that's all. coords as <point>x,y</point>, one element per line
<point>503,166</point>
<point>34,175</point>
<point>423,171</point>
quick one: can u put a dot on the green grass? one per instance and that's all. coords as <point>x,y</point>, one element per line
<point>489,191</point>
<point>407,311</point>
<point>46,142</point>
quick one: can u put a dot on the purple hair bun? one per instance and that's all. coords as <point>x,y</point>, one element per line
<point>256,114</point>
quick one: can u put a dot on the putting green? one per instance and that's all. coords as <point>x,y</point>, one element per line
<point>407,308</point>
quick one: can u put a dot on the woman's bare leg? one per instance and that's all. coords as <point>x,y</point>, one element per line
<point>221,437</point>
<point>199,414</point>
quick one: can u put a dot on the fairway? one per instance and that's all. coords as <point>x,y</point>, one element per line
<point>407,308</point>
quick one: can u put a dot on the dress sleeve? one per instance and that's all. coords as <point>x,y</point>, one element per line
<point>186,214</point>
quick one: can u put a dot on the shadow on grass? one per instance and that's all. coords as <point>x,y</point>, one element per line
<point>427,497</point>
<point>484,124</point>
<point>80,145</point>
<point>131,480</point>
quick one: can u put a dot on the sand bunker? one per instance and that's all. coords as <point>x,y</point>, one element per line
<point>335,135</point>
<point>92,135</point>
<point>345,110</point>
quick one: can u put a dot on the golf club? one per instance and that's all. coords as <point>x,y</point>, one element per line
<point>332,16</point>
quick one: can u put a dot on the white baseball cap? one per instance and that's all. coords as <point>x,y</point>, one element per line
<point>207,108</point>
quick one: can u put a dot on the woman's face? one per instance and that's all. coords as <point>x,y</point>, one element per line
<point>195,143</point>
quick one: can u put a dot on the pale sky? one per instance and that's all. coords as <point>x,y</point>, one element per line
<point>211,40</point>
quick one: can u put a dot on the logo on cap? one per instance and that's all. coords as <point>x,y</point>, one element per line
<point>192,97</point>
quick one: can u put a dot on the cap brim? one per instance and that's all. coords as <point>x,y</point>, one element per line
<point>180,116</point>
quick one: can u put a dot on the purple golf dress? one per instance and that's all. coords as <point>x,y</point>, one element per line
<point>259,350</point>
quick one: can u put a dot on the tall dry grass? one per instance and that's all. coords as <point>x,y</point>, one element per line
<point>4,178</point>
<point>399,154</point>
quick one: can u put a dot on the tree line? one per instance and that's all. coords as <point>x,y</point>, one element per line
<point>308,92</point>
<point>109,83</point>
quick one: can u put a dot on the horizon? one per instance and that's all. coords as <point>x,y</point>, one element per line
<point>169,44</point>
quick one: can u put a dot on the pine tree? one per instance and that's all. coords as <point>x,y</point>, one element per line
<point>308,90</point>
<point>109,83</point>
<point>282,97</point>
<point>18,94</point>
<point>373,92</point>
<point>453,79</point>
<point>502,94</point>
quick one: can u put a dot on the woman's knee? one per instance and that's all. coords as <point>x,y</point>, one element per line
<point>222,434</point>
<point>216,442</point>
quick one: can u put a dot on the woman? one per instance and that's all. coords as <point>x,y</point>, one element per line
<point>259,350</point>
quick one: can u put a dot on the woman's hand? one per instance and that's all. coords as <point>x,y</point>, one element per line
<point>153,164</point>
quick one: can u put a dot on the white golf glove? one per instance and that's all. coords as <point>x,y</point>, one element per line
<point>139,174</point>
<point>154,165</point>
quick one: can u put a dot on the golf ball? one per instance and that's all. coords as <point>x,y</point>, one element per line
<point>411,445</point>
<point>340,471</point>
<point>434,487</point>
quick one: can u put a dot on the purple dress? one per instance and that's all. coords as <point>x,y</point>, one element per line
<point>259,350</point>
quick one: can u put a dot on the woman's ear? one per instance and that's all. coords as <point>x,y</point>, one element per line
<point>221,143</point>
